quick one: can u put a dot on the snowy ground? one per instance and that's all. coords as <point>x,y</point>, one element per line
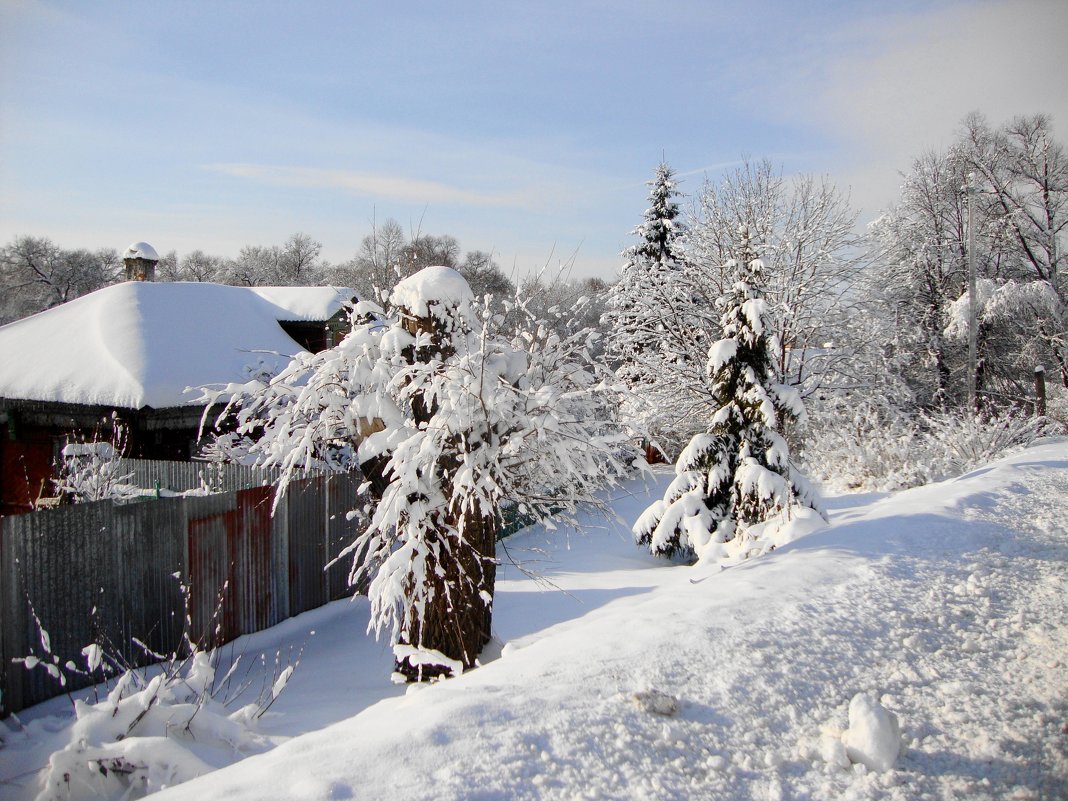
<point>948,603</point>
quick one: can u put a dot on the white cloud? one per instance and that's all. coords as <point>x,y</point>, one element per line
<point>918,76</point>
<point>895,85</point>
<point>375,185</point>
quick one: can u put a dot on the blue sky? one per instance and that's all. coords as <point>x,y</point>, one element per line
<point>525,128</point>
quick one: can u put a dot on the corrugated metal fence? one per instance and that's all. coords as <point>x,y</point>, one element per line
<point>105,572</point>
<point>184,476</point>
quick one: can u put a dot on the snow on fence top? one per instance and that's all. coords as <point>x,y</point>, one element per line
<point>140,344</point>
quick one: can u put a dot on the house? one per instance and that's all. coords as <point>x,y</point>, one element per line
<point>135,353</point>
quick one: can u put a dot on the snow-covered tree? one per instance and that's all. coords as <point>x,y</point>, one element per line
<point>803,230</point>
<point>1019,180</point>
<point>640,305</point>
<point>664,309</point>
<point>738,473</point>
<point>657,321</point>
<point>566,305</point>
<point>449,422</point>
<point>1022,174</point>
<point>920,269</point>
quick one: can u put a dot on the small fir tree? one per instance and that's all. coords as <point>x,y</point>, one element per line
<point>737,473</point>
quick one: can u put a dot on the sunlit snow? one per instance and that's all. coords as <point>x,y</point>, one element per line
<point>940,611</point>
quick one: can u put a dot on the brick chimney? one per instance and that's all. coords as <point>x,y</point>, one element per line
<point>140,260</point>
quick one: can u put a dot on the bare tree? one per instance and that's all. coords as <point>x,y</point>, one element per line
<point>803,231</point>
<point>168,267</point>
<point>427,250</point>
<point>200,266</point>
<point>485,276</point>
<point>253,266</point>
<point>299,262</point>
<point>36,275</point>
<point>295,263</point>
<point>376,263</point>
<point>920,252</point>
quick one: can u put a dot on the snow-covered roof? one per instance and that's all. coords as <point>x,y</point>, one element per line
<point>141,344</point>
<point>141,250</point>
<point>308,303</point>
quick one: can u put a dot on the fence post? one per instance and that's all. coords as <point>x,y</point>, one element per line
<point>1040,391</point>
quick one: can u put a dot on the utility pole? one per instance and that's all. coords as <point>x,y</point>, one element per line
<point>970,189</point>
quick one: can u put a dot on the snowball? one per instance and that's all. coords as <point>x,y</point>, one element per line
<point>873,738</point>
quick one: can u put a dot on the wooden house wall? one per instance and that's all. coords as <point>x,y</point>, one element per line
<point>30,445</point>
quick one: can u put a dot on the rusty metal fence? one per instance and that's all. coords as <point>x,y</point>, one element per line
<point>109,573</point>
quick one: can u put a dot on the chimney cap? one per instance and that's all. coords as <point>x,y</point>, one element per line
<point>141,250</point>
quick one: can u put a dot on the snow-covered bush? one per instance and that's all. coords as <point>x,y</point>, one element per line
<point>957,443</point>
<point>738,473</point>
<point>145,735</point>
<point>448,420</point>
<point>873,446</point>
<point>862,445</point>
<point>91,470</point>
<point>159,725</point>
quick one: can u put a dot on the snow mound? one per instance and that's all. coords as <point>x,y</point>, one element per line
<point>873,738</point>
<point>431,285</point>
<point>141,250</point>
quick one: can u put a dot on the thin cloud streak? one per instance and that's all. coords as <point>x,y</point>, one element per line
<point>374,185</point>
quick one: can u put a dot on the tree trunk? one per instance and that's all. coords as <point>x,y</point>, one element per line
<point>457,621</point>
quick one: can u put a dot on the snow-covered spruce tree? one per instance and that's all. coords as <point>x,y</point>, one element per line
<point>656,334</point>
<point>738,473</point>
<point>449,421</point>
